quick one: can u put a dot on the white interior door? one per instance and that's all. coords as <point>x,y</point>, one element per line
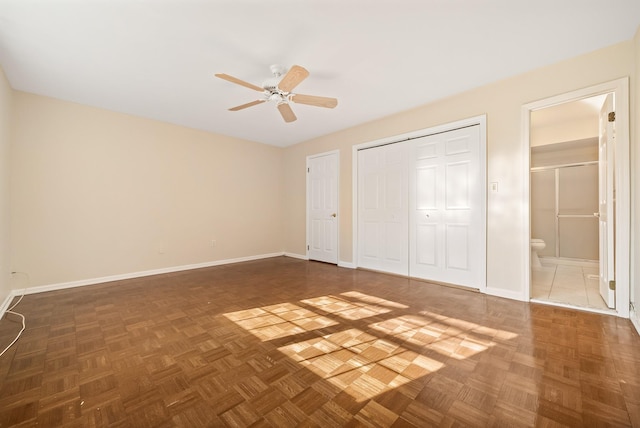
<point>383,242</point>
<point>606,195</point>
<point>446,208</point>
<point>322,210</point>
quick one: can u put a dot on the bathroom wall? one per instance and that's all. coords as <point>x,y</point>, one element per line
<point>571,192</point>
<point>565,153</point>
<point>571,121</point>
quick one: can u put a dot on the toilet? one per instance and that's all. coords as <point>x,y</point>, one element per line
<point>536,245</point>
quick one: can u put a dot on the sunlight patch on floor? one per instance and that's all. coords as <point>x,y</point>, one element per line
<point>363,363</point>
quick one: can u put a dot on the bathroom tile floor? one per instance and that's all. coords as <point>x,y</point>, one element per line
<point>574,284</point>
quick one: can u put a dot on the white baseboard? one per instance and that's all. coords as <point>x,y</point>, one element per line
<point>507,294</point>
<point>349,265</point>
<point>575,308</point>
<point>296,256</point>
<point>111,278</point>
<point>635,320</point>
<point>340,263</point>
<point>304,257</point>
<point>6,303</point>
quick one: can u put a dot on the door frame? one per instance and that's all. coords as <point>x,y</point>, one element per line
<point>308,201</point>
<point>480,120</point>
<point>620,87</point>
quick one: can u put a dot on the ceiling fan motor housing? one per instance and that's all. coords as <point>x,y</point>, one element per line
<point>271,84</point>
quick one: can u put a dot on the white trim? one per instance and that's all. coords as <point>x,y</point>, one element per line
<point>501,292</point>
<point>308,202</point>
<point>354,205</point>
<point>296,256</point>
<point>7,302</point>
<point>620,88</point>
<point>348,265</point>
<point>574,307</point>
<point>480,120</point>
<point>635,320</point>
<point>140,274</point>
<point>112,278</point>
<point>450,126</point>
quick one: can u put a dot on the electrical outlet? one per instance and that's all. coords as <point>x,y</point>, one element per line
<point>213,243</point>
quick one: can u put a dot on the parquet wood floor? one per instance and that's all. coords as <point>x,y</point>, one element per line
<point>283,342</point>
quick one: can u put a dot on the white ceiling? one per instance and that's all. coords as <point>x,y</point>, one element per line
<point>157,58</point>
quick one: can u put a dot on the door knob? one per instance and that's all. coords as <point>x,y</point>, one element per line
<point>333,215</point>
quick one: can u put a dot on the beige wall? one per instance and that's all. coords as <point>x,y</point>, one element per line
<point>5,123</point>
<point>502,103</point>
<point>97,193</point>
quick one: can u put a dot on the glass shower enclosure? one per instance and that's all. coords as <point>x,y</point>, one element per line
<point>564,206</point>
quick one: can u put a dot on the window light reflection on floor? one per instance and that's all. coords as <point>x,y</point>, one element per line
<point>359,362</point>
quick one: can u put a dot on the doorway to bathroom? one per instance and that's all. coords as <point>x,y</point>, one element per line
<point>564,223</point>
<point>576,236</point>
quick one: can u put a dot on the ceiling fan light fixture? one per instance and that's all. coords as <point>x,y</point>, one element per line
<point>278,98</point>
<point>279,89</point>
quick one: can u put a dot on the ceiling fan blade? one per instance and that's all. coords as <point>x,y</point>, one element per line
<point>243,106</point>
<point>312,100</point>
<point>239,82</point>
<point>286,112</point>
<point>293,78</point>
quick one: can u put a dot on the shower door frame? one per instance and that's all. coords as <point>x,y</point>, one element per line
<point>620,89</point>
<point>558,216</point>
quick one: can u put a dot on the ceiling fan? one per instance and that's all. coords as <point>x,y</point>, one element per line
<point>278,89</point>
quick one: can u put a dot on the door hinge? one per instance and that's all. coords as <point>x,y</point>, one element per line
<point>612,116</point>
<point>307,248</point>
<point>308,169</point>
<point>612,285</point>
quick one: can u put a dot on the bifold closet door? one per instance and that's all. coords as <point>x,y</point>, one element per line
<point>383,218</point>
<point>445,208</point>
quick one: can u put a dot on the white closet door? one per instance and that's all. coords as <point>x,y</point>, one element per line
<point>383,241</point>
<point>445,208</point>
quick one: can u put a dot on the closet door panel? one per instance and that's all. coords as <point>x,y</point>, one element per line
<point>395,249</point>
<point>371,187</point>
<point>383,208</point>
<point>370,240</point>
<point>426,187</point>
<point>426,253</point>
<point>457,247</point>
<point>445,218</point>
<point>420,208</point>
<point>457,181</point>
